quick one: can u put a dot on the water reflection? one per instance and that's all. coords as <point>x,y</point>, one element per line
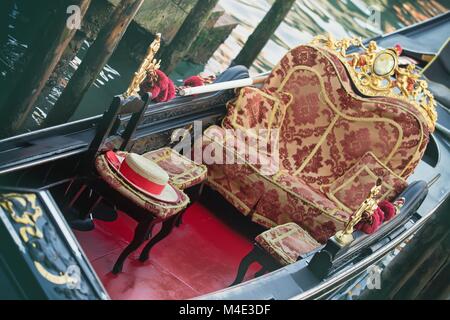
<point>49,98</point>
<point>311,17</point>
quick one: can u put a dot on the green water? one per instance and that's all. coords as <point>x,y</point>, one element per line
<point>307,18</point>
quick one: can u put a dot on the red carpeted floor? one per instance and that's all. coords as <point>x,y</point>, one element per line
<point>199,257</point>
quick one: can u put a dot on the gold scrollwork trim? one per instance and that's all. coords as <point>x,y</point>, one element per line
<point>27,219</point>
<point>148,67</point>
<point>401,83</point>
<point>60,279</point>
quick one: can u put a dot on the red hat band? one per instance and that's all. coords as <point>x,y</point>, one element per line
<point>139,180</point>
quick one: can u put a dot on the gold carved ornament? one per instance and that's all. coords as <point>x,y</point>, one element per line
<point>147,69</point>
<point>367,208</point>
<point>28,227</point>
<point>377,72</point>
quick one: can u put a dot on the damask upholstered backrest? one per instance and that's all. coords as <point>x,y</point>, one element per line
<point>329,126</point>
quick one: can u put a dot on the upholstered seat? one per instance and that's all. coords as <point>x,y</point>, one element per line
<point>286,242</point>
<point>333,143</point>
<point>160,209</point>
<point>183,172</point>
<point>147,210</point>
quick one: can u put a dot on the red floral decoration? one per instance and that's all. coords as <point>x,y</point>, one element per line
<point>388,209</point>
<point>194,81</point>
<point>384,212</point>
<point>159,86</point>
<point>371,224</point>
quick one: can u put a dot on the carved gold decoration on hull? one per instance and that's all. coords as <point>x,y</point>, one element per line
<point>148,67</point>
<point>27,219</point>
<point>345,237</point>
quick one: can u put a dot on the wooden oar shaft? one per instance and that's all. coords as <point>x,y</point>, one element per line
<point>222,86</point>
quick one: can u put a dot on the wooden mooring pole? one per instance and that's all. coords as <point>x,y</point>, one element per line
<point>5,10</point>
<point>265,29</point>
<point>186,35</point>
<point>93,63</point>
<point>54,40</point>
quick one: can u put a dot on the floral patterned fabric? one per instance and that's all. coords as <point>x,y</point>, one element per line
<point>273,199</point>
<point>327,129</point>
<point>286,242</point>
<point>183,173</point>
<point>160,209</point>
<point>352,188</point>
<point>287,198</point>
<point>256,109</point>
<point>238,183</point>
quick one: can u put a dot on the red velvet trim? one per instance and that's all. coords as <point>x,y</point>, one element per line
<point>162,90</point>
<point>388,209</point>
<point>139,181</point>
<point>373,225</point>
<point>194,81</point>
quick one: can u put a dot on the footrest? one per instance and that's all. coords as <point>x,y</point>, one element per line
<point>286,242</point>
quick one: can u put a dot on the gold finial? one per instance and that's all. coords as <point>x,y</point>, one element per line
<point>149,65</point>
<point>345,237</point>
<point>377,72</point>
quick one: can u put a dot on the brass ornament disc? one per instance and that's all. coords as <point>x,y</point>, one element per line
<point>384,63</point>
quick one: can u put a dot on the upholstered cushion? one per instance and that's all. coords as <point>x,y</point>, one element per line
<point>298,188</point>
<point>183,172</point>
<point>353,187</point>
<point>158,208</point>
<point>287,198</point>
<point>224,144</point>
<point>328,127</point>
<point>256,109</point>
<point>286,242</point>
<point>274,199</point>
<point>326,130</point>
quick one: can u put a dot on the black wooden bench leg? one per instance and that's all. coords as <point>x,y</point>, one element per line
<point>139,237</point>
<point>179,218</point>
<point>261,272</point>
<point>166,228</point>
<point>253,256</point>
<point>149,233</point>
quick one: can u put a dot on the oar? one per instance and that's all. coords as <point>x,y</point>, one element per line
<point>223,85</point>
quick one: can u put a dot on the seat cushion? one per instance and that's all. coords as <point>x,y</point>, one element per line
<point>297,187</point>
<point>286,198</point>
<point>160,209</point>
<point>353,187</point>
<point>286,242</point>
<point>183,172</point>
<point>228,146</point>
<point>257,110</point>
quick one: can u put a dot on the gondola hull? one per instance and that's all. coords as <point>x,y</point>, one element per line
<point>52,265</point>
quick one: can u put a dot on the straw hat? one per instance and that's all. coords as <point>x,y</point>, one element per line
<point>144,175</point>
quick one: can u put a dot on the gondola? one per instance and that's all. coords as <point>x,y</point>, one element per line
<point>42,257</point>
